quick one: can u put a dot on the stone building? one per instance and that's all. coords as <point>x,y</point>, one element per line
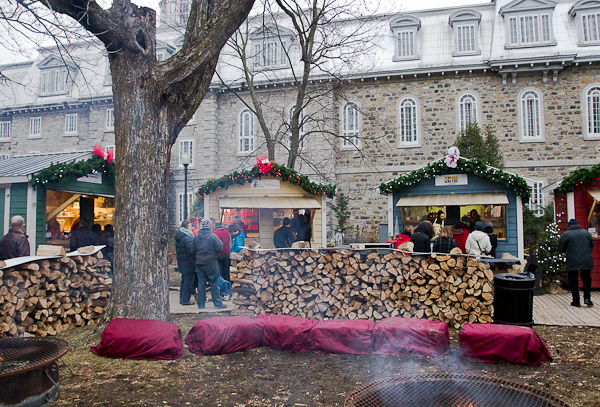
<point>527,68</point>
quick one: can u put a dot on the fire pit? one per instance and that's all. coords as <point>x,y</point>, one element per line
<point>29,370</point>
<point>447,390</point>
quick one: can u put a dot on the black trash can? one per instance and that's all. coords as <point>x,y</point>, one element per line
<point>513,299</point>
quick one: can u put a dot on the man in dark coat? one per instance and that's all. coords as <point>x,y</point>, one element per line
<point>421,237</point>
<point>489,229</point>
<point>284,236</point>
<point>83,236</point>
<point>205,247</point>
<point>186,262</point>
<point>577,244</point>
<point>15,243</point>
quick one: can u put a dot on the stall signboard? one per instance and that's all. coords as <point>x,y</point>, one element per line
<point>265,184</point>
<point>92,178</point>
<point>447,180</point>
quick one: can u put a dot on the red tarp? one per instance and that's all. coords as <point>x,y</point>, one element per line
<point>140,339</point>
<point>284,332</point>
<point>341,336</point>
<point>217,336</point>
<point>411,337</point>
<point>502,344</point>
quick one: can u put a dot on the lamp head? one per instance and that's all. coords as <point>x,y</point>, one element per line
<point>185,159</point>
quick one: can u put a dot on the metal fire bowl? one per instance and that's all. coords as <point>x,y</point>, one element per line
<point>448,390</point>
<point>29,370</point>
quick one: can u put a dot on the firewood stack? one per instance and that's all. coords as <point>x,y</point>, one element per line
<point>46,297</point>
<point>342,284</point>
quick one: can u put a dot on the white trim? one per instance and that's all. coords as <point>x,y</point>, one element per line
<point>520,234</point>
<point>417,109</point>
<point>570,205</point>
<point>390,214</point>
<point>585,110</point>
<point>206,205</point>
<point>69,121</point>
<point>458,111</point>
<point>323,220</point>
<point>475,38</point>
<point>540,119</point>
<point>35,135</point>
<point>251,137</point>
<point>191,152</point>
<point>6,210</point>
<point>31,217</point>
<point>343,137</point>
<point>5,127</point>
<point>109,114</point>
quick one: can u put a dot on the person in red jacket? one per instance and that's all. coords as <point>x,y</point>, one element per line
<point>223,256</point>
<point>460,233</point>
<point>195,226</point>
<point>404,236</point>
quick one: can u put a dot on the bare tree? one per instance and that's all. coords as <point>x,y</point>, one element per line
<point>152,102</point>
<point>309,47</point>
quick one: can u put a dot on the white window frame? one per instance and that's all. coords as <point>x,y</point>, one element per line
<point>472,43</point>
<point>585,31</point>
<point>4,157</point>
<point>53,81</point>
<point>71,123</point>
<point>246,132</point>
<point>160,56</point>
<point>35,127</point>
<point>591,101</point>
<point>461,109</point>
<point>301,133</point>
<point>112,148</point>
<point>182,11</point>
<point>536,201</point>
<point>187,146</point>
<point>270,53</point>
<point>107,73</point>
<point>180,205</point>
<point>109,119</point>
<point>531,99</point>
<point>5,131</point>
<point>350,127</point>
<point>408,108</point>
<point>527,29</point>
<point>406,31</point>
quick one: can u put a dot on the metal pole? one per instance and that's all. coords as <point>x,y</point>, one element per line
<point>185,201</point>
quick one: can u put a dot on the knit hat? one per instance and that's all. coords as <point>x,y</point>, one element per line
<point>194,220</point>
<point>206,223</point>
<point>572,222</point>
<point>479,226</point>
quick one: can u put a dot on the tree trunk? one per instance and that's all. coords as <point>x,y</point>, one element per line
<point>143,153</point>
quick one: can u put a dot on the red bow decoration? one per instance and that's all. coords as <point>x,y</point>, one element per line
<point>109,155</point>
<point>263,164</point>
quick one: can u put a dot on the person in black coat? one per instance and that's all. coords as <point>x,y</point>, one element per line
<point>186,262</point>
<point>83,236</point>
<point>305,230</point>
<point>421,237</point>
<point>577,244</point>
<point>284,236</point>
<point>489,229</point>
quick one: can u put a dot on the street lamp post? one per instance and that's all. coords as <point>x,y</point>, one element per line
<point>185,160</point>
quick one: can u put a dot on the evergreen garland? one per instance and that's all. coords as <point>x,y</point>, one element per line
<point>279,171</point>
<point>579,177</point>
<point>64,171</point>
<point>471,166</point>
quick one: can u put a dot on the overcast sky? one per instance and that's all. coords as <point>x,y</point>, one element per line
<point>405,5</point>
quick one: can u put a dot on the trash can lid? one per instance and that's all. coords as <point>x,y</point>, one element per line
<point>521,280</point>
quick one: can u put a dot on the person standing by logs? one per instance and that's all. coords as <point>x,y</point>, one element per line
<point>478,242</point>
<point>445,243</point>
<point>83,236</point>
<point>284,236</point>
<point>186,263</point>
<point>223,255</point>
<point>205,247</point>
<point>577,243</point>
<point>15,243</point>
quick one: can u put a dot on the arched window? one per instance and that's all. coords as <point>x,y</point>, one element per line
<point>350,125</point>
<point>531,116</point>
<point>300,123</point>
<point>467,110</point>
<point>408,122</point>
<point>246,144</point>
<point>593,111</point>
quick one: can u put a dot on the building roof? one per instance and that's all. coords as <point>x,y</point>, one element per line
<point>24,165</point>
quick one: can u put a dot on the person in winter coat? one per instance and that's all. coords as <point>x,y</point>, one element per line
<point>239,238</point>
<point>186,262</point>
<point>445,242</point>
<point>488,227</point>
<point>405,236</point>
<point>223,256</point>
<point>305,230</point>
<point>475,217</point>
<point>421,237</point>
<point>15,243</point>
<point>205,247</point>
<point>284,236</point>
<point>83,236</point>
<point>577,244</point>
<point>478,242</point>
<point>460,233</point>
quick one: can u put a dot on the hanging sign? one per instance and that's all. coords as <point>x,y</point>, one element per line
<point>448,180</point>
<point>265,184</point>
<point>92,178</point>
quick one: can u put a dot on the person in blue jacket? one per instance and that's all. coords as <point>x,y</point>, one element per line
<point>239,238</point>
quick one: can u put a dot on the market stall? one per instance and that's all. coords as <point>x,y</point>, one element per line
<point>577,196</point>
<point>259,199</point>
<point>444,194</point>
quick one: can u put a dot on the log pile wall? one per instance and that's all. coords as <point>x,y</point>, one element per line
<point>344,284</point>
<point>46,297</point>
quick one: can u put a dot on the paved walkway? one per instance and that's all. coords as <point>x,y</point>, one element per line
<point>555,309</point>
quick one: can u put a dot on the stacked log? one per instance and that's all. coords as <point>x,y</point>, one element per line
<point>346,284</point>
<point>46,297</point>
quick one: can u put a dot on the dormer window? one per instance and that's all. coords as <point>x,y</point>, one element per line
<point>270,47</point>
<point>528,23</point>
<point>54,76</point>
<point>163,50</point>
<point>465,24</point>
<point>183,11</point>
<point>405,29</point>
<point>587,14</point>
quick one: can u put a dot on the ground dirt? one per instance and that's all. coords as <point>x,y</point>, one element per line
<point>265,377</point>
